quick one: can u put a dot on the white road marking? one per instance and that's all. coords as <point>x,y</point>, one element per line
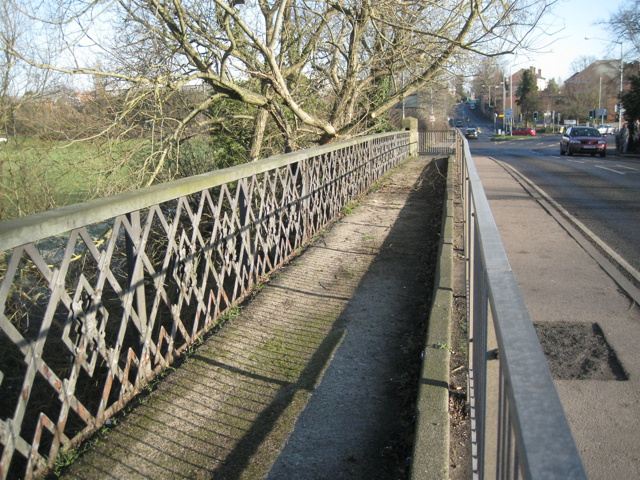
<point>610,169</point>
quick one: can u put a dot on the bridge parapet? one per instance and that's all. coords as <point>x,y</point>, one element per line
<point>101,296</point>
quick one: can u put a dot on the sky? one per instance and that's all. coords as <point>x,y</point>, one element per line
<point>578,17</point>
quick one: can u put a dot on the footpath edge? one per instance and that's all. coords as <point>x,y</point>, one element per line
<point>430,458</point>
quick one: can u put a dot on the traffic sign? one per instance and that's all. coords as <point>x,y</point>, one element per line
<point>432,118</point>
<point>570,122</point>
<point>508,113</point>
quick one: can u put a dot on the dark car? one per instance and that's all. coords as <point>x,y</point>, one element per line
<point>583,140</point>
<point>458,123</point>
<point>524,131</point>
<point>471,133</point>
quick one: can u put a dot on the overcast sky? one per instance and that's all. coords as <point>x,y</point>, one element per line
<point>578,18</point>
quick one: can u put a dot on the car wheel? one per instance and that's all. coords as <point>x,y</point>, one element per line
<point>593,154</point>
<point>561,150</point>
<point>603,154</point>
<point>569,152</point>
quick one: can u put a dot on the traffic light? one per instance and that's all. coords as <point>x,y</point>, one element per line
<point>535,116</point>
<point>592,114</point>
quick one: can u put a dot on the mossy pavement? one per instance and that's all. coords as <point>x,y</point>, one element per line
<point>346,309</point>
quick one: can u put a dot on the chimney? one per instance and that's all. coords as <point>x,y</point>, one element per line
<point>532,70</point>
<point>540,72</point>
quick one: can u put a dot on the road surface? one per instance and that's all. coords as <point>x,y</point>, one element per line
<point>603,193</point>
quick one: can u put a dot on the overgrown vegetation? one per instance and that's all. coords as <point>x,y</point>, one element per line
<point>164,90</point>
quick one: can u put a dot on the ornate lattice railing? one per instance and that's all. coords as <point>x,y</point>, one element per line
<point>99,297</point>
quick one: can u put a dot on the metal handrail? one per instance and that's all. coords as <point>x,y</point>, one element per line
<point>437,141</point>
<point>521,430</point>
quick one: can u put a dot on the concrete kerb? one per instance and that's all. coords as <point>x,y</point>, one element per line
<point>431,445</point>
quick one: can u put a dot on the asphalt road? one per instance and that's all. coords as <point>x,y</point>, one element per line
<point>603,193</point>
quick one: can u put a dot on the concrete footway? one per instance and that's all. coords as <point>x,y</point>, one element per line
<point>560,282</point>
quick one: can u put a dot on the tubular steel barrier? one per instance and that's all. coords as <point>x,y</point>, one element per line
<point>99,297</point>
<point>437,142</point>
<point>519,429</point>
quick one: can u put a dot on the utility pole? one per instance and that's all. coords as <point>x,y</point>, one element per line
<point>599,98</point>
<point>504,103</point>
<point>511,97</point>
<point>620,108</point>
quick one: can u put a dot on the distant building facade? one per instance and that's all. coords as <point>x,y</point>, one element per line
<point>541,82</point>
<point>601,81</point>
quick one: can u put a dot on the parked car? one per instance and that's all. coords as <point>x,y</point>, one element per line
<point>524,131</point>
<point>458,123</point>
<point>606,129</point>
<point>471,133</point>
<point>472,106</point>
<point>577,139</point>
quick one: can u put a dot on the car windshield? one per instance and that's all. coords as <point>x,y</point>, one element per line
<point>471,130</point>
<point>585,132</point>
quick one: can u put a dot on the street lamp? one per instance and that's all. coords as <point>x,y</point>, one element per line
<point>621,74</point>
<point>511,98</point>
<point>600,99</point>
<point>504,104</point>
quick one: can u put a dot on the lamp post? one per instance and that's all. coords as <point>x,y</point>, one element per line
<point>511,98</point>
<point>504,103</point>
<point>599,100</point>
<point>621,74</point>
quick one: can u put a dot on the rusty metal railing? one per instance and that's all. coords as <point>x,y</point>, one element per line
<point>519,429</point>
<point>99,297</point>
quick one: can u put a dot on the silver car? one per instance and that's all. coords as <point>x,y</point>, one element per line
<point>606,129</point>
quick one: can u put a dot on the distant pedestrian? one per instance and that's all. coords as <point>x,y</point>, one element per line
<point>635,137</point>
<point>624,138</point>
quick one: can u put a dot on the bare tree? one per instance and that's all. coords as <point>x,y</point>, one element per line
<point>577,100</point>
<point>624,26</point>
<point>26,108</point>
<point>580,63</point>
<point>276,74</point>
<point>488,74</point>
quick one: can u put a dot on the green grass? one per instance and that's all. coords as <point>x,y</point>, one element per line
<point>72,167</point>
<point>348,209</point>
<point>38,175</point>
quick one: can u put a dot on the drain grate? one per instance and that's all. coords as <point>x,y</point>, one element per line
<point>578,351</point>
